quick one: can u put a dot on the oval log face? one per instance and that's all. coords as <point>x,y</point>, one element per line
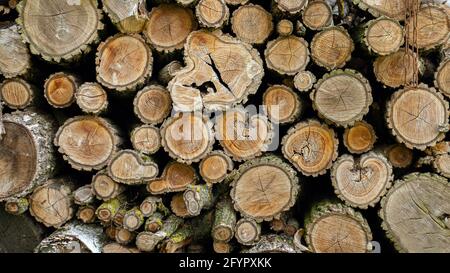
<point>17,159</point>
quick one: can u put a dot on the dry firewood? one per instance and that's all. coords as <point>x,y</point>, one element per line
<point>415,213</point>
<point>222,247</point>
<point>236,2</point>
<point>59,30</point>
<point>264,187</point>
<point>332,47</point>
<point>87,142</point>
<point>361,182</point>
<point>27,158</point>
<point>104,187</point>
<point>168,26</point>
<point>83,195</point>
<point>91,98</point>
<point>252,24</point>
<point>359,138</point>
<point>17,93</point>
<point>178,206</point>
<point>212,13</point>
<point>14,54</point>
<point>146,139</point>
<point>389,8</point>
<point>197,198</point>
<point>124,236</point>
<point>150,205</point>
<point>282,104</point>
<point>384,35</point>
<point>224,221</point>
<point>186,3</point>
<point>60,88</point>
<point>418,116</point>
<point>133,219</point>
<point>167,73</point>
<point>398,155</point>
<point>273,243</point>
<point>442,77</point>
<point>131,168</point>
<point>304,81</point>
<point>291,6</point>
<point>285,27</point>
<point>247,231</point>
<point>311,147</point>
<point>86,214</point>
<point>243,135</point>
<point>16,206</point>
<point>147,241</point>
<point>215,167</point>
<point>233,75</point>
<point>118,248</point>
<point>175,178</point>
<point>52,203</point>
<point>292,225</point>
<point>127,16</point>
<point>317,15</point>
<point>124,62</point>
<point>335,228</point>
<point>154,222</point>
<point>187,137</point>
<point>108,209</point>
<point>152,104</point>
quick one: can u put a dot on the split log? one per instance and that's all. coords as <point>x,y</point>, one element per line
<point>304,81</point>
<point>59,30</point>
<point>282,104</point>
<point>361,182</point>
<point>154,222</point>
<point>335,228</point>
<point>131,168</point>
<point>243,135</point>
<point>14,54</point>
<point>16,93</point>
<point>147,241</point>
<point>332,48</point>
<point>152,104</point>
<point>86,214</point>
<point>383,36</point>
<point>175,178</point>
<point>133,219</point>
<point>442,78</point>
<point>150,205</point>
<point>418,116</point>
<point>167,73</point>
<point>146,139</point>
<point>168,27</point>
<point>27,157</point>
<point>52,203</point>
<point>233,75</point>
<point>187,137</point>
<point>252,24</point>
<point>398,155</point>
<point>127,16</point>
<point>291,6</point>
<point>389,8</point>
<point>118,248</point>
<point>60,88</point>
<point>273,244</point>
<point>317,15</point>
<point>215,167</point>
<point>124,62</point>
<point>287,55</point>
<point>83,195</point>
<point>264,188</point>
<point>91,98</point>
<point>311,147</point>
<point>87,142</point>
<point>359,138</point>
<point>342,97</point>
<point>224,221</point>
<point>212,13</point>
<point>415,213</point>
<point>197,198</point>
<point>248,231</point>
<point>16,206</point>
<point>396,69</point>
<point>178,206</point>
<point>104,187</point>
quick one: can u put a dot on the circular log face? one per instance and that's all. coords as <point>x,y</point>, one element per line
<point>332,47</point>
<point>123,61</point>
<point>18,159</point>
<point>14,54</point>
<point>152,104</point>
<point>51,205</point>
<point>395,69</point>
<point>389,8</point>
<point>416,115</point>
<point>263,191</point>
<point>282,103</point>
<point>443,78</point>
<point>359,138</point>
<point>146,139</point>
<point>336,233</point>
<point>287,55</point>
<point>104,186</point>
<point>252,24</point>
<point>415,213</point>
<point>56,28</point>
<point>214,167</point>
<point>317,15</point>
<point>86,142</point>
<point>91,97</point>
<point>212,12</point>
<point>384,36</point>
<point>15,93</point>
<point>60,90</point>
<point>292,6</point>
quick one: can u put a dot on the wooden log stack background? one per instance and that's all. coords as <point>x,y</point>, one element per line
<point>123,127</point>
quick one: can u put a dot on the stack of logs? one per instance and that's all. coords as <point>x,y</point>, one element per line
<point>124,127</point>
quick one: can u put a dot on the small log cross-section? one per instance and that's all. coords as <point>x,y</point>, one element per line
<point>264,187</point>
<point>83,195</point>
<point>60,88</point>
<point>384,36</point>
<point>389,8</point>
<point>127,16</point>
<point>133,219</point>
<point>243,137</point>
<point>252,23</point>
<point>86,214</point>
<point>124,62</point>
<point>14,54</point>
<point>16,93</point>
<point>104,187</point>
<point>187,137</point>
<point>415,213</point>
<point>311,147</point>
<point>234,68</point>
<point>282,104</point>
<point>52,203</point>
<point>87,142</point>
<point>224,221</point>
<point>215,167</point>
<point>152,104</point>
<point>335,228</point>
<point>418,116</point>
<point>291,6</point>
<point>395,69</point>
<point>212,13</point>
<point>317,15</point>
<point>304,81</point>
<point>131,168</point>
<point>175,178</point>
<point>342,97</point>
<point>27,157</point>
<point>16,206</point>
<point>168,26</point>
<point>147,241</point>
<point>146,139</point>
<point>398,155</point>
<point>149,205</point>
<point>91,98</point>
<point>178,207</point>
<point>59,30</point>
<point>442,78</point>
<point>361,182</point>
<point>332,47</point>
<point>248,231</point>
<point>359,138</point>
<point>197,198</point>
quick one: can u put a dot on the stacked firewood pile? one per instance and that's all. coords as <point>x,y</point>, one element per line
<point>224,125</point>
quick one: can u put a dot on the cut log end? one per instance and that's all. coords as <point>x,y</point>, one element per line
<point>215,167</point>
<point>59,89</point>
<point>317,15</point>
<point>304,81</point>
<point>384,36</point>
<point>399,156</point>
<point>83,195</point>
<point>252,23</point>
<point>442,78</point>
<point>212,13</point>
<point>16,93</point>
<point>91,98</point>
<point>146,139</point>
<point>360,137</point>
<point>133,219</point>
<point>152,104</point>
<point>281,58</point>
<point>175,177</point>
<point>332,48</point>
<point>291,6</point>
<point>16,206</point>
<point>15,55</point>
<point>131,168</point>
<point>285,27</point>
<point>282,104</point>
<point>104,187</point>
<point>248,232</point>
<point>396,69</point>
